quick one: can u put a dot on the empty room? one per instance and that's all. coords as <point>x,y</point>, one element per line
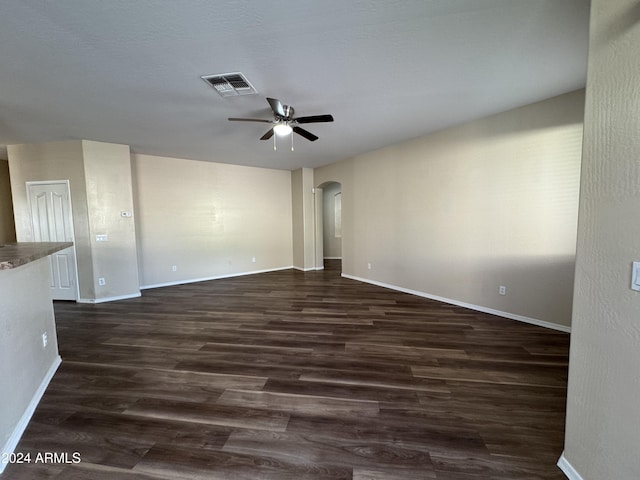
<point>362,240</point>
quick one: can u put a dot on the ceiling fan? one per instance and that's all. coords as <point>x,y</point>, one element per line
<point>284,122</point>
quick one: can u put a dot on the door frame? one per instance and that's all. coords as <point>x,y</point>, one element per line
<point>73,233</point>
<point>319,194</point>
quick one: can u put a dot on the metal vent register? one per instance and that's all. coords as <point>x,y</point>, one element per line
<point>230,84</point>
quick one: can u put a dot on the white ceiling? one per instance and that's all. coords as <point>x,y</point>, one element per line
<point>128,72</point>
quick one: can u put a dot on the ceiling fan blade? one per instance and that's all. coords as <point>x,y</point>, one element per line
<point>267,135</point>
<point>249,120</point>
<point>308,135</point>
<point>314,119</point>
<point>276,106</point>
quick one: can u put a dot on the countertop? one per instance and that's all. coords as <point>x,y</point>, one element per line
<point>13,255</point>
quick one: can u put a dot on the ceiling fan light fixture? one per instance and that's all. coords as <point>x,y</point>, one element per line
<point>282,129</point>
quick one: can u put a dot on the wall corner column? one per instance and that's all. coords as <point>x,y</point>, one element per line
<point>303,207</point>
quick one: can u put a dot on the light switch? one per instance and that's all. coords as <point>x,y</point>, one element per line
<point>102,238</point>
<point>635,276</point>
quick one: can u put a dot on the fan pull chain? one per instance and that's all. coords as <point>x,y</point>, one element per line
<point>292,141</point>
<point>274,143</point>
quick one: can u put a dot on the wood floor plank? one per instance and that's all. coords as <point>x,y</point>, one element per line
<point>92,471</point>
<point>293,375</point>
<point>395,429</point>
<point>384,396</point>
<point>288,402</point>
<point>188,464</point>
<point>143,428</point>
<point>375,379</point>
<point>493,467</point>
<point>209,414</point>
<point>381,473</point>
<point>488,371</point>
<point>402,353</point>
<point>121,450</point>
<point>346,452</point>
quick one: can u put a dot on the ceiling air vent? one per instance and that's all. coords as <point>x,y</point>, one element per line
<point>230,84</point>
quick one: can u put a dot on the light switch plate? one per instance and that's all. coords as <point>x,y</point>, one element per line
<point>635,276</point>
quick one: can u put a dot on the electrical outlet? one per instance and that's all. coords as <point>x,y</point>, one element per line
<point>45,340</point>
<point>253,259</point>
<point>368,266</point>
<point>174,268</point>
<point>102,281</point>
<point>502,290</point>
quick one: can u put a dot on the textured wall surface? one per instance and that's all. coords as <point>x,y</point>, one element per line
<point>458,213</point>
<point>603,417</point>
<point>99,177</point>
<point>54,161</point>
<point>303,212</point>
<point>26,313</point>
<point>107,168</point>
<point>209,219</point>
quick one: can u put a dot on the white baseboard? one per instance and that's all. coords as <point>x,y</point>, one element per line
<point>333,258</point>
<point>108,299</point>
<point>478,308</point>
<point>567,468</point>
<point>304,269</point>
<point>217,277</point>
<point>14,438</point>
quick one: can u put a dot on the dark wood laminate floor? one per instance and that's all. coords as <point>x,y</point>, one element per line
<point>294,376</point>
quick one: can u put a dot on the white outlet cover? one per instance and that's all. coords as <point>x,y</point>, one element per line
<point>635,276</point>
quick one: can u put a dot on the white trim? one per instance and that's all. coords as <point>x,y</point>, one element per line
<point>512,316</point>
<point>217,277</point>
<point>109,299</point>
<point>304,269</point>
<point>23,423</point>
<point>567,468</point>
<point>333,258</point>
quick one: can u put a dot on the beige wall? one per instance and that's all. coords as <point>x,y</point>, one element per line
<point>25,366</point>
<point>99,177</point>
<point>54,161</point>
<point>7,229</point>
<point>209,219</point>
<point>297,219</point>
<point>107,170</point>
<point>303,214</point>
<point>458,213</point>
<point>332,244</point>
<point>603,415</point>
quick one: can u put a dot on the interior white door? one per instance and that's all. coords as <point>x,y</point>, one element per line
<point>52,221</point>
